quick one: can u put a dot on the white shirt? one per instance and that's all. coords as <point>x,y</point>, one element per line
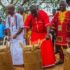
<point>14,23</point>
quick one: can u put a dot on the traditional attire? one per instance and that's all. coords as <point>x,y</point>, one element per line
<point>24,16</point>
<point>29,32</point>
<point>61,22</point>
<point>38,26</point>
<point>14,23</point>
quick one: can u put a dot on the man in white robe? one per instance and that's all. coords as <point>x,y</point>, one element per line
<point>14,26</point>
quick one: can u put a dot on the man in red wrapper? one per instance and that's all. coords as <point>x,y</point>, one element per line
<point>38,22</point>
<point>61,22</point>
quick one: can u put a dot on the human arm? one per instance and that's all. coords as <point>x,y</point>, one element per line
<point>7,28</point>
<point>27,25</point>
<point>46,23</point>
<point>20,26</point>
<point>68,29</point>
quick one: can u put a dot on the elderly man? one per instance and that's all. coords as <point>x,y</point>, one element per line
<point>14,26</point>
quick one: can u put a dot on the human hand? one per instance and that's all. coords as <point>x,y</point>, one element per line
<point>47,37</point>
<point>25,36</point>
<point>8,38</point>
<point>14,36</point>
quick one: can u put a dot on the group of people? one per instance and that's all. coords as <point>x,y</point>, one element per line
<point>37,22</point>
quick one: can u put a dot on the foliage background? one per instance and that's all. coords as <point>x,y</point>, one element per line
<point>26,4</point>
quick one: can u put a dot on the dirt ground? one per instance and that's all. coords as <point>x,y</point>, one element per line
<point>57,67</point>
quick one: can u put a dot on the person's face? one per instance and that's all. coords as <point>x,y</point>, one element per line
<point>10,10</point>
<point>62,6</point>
<point>21,12</point>
<point>34,12</point>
